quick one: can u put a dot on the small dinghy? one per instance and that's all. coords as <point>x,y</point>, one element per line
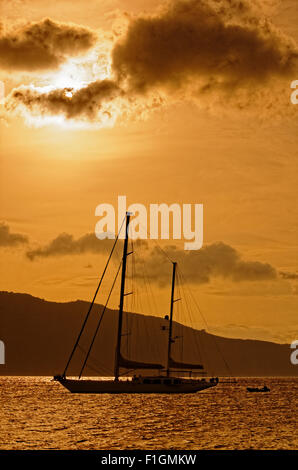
<point>256,389</point>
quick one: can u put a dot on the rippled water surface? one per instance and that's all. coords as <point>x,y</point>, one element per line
<point>36,413</point>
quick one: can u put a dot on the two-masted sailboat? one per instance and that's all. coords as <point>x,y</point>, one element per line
<point>170,379</point>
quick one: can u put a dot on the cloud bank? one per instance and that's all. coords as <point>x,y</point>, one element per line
<point>215,260</point>
<point>10,239</point>
<point>205,51</point>
<point>85,102</point>
<point>288,275</point>
<point>217,44</point>
<point>42,45</point>
<point>66,244</point>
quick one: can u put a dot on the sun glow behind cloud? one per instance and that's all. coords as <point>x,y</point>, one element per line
<point>73,75</point>
<point>130,74</point>
<point>35,119</point>
<point>76,73</point>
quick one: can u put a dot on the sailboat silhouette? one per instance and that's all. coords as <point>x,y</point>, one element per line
<point>165,382</point>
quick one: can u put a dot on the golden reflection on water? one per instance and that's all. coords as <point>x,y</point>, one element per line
<point>36,413</point>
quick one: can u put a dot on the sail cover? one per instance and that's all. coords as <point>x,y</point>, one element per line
<point>183,365</point>
<point>128,364</point>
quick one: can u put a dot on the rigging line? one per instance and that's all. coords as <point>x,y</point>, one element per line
<point>156,347</point>
<point>99,323</point>
<point>99,364</point>
<point>137,321</point>
<point>152,345</point>
<point>146,278</point>
<point>207,326</point>
<point>146,284</point>
<point>180,311</point>
<point>154,310</point>
<point>161,249</point>
<point>177,324</point>
<point>127,372</point>
<point>95,369</point>
<point>199,348</point>
<point>92,303</point>
<point>125,321</point>
<point>131,301</point>
<point>138,329</point>
<point>135,308</point>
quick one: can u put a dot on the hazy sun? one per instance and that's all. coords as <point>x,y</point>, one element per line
<point>78,73</point>
<point>72,76</point>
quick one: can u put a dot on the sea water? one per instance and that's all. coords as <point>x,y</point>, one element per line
<point>37,413</point>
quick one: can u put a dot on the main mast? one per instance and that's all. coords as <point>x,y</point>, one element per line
<point>122,294</point>
<point>170,340</point>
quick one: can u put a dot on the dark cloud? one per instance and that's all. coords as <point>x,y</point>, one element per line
<point>42,45</point>
<point>224,49</point>
<point>215,260</point>
<point>85,102</point>
<point>66,244</point>
<point>288,275</point>
<point>7,238</point>
<point>99,102</point>
<point>220,44</point>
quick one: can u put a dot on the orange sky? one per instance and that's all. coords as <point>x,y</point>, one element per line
<point>240,163</point>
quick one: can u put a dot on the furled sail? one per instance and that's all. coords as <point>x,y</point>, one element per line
<point>183,365</point>
<point>128,364</point>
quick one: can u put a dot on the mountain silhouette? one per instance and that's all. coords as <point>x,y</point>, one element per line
<point>39,335</point>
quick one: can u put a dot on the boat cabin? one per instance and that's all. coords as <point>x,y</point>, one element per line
<point>157,380</point>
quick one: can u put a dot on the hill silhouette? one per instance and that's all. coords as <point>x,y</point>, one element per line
<point>39,335</point>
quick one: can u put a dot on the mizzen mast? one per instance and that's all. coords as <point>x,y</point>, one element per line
<point>122,295</point>
<point>170,339</point>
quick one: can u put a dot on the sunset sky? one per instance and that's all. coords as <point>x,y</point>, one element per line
<point>184,101</point>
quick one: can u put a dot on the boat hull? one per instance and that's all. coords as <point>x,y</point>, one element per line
<point>257,390</point>
<point>110,386</point>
